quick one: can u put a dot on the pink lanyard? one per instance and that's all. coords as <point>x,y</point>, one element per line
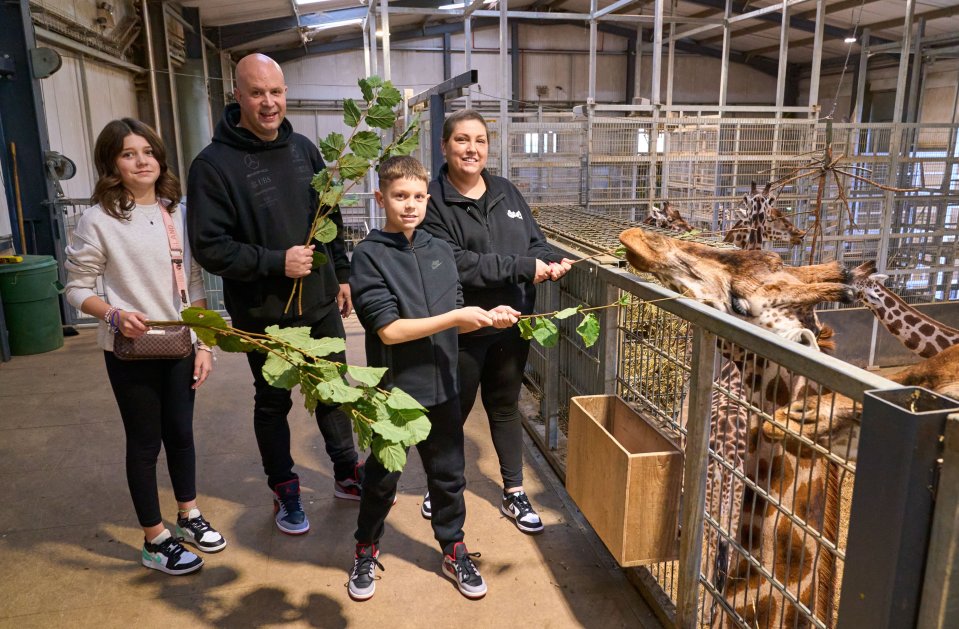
<point>176,255</point>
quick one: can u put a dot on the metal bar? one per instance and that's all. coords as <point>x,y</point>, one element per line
<point>616,6</point>
<point>940,590</point>
<point>504,91</point>
<point>911,114</point>
<point>817,54</point>
<point>65,42</point>
<point>904,62</point>
<point>553,376</point>
<point>151,65</point>
<point>695,461</point>
<point>169,10</point>
<point>177,148</point>
<point>773,8</point>
<point>783,58</point>
<point>468,50</point>
<point>591,89</point>
<point>515,93</point>
<point>724,70</point>
<point>437,117</point>
<point>863,70</point>
<point>670,59</point>
<point>385,18</point>
<point>639,62</point>
<point>630,91</point>
<point>371,20</point>
<point>447,58</point>
<point>609,349</point>
<point>458,82</point>
<point>657,51</point>
<point>468,11</point>
<point>366,47</point>
<point>892,506</point>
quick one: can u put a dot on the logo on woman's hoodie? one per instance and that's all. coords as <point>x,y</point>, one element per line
<point>514,214</point>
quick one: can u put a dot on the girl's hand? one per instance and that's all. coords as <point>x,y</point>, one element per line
<point>132,324</point>
<point>202,367</point>
<point>504,316</point>
<point>472,318</point>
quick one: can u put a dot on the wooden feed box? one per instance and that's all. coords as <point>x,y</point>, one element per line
<point>625,476</point>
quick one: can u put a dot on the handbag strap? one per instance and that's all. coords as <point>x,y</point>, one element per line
<point>176,255</point>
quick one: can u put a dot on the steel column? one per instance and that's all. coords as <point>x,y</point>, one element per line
<point>385,27</point>
<point>783,59</point>
<point>371,23</point>
<point>630,71</point>
<point>437,117</point>
<point>863,69</point>
<point>591,90</point>
<point>892,506</point>
<point>695,461</point>
<point>154,119</point>
<point>515,92</point>
<point>468,53</point>
<point>447,58</point>
<point>910,114</point>
<point>657,51</point>
<point>504,91</point>
<point>671,58</point>
<point>724,70</point>
<point>817,54</point>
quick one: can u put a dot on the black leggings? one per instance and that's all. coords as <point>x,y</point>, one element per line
<point>442,455</point>
<point>156,404</point>
<point>496,361</point>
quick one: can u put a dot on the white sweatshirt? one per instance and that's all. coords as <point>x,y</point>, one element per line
<point>133,259</point>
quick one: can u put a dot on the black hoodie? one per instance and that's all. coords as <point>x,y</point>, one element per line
<point>495,251</point>
<point>392,280</point>
<point>251,200</point>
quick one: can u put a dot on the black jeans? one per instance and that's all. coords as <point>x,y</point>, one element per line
<point>272,405</point>
<point>442,455</point>
<point>496,361</point>
<point>156,406</point>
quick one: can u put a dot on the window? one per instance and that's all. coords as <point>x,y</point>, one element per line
<point>540,143</point>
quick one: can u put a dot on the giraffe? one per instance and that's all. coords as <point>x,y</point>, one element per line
<point>776,227</point>
<point>756,286</point>
<point>666,217</point>
<point>919,332</point>
<point>748,232</point>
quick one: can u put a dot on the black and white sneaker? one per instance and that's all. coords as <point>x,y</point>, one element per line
<point>168,555</point>
<point>195,530</point>
<point>517,507</point>
<point>459,567</point>
<point>426,509</point>
<point>362,583</point>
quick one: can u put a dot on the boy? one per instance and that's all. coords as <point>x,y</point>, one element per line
<point>407,295</point>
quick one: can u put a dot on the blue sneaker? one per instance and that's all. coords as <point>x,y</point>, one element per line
<point>166,554</point>
<point>288,509</point>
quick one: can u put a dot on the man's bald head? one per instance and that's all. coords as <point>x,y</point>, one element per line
<point>261,93</point>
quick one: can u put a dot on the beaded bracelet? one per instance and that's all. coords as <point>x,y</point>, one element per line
<point>112,318</point>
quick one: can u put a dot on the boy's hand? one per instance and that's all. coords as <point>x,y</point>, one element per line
<point>299,261</point>
<point>344,301</point>
<point>559,269</point>
<point>542,272</point>
<point>504,316</point>
<point>472,318</point>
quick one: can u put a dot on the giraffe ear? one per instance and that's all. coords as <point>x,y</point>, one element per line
<point>752,188</point>
<point>767,188</point>
<point>879,278</point>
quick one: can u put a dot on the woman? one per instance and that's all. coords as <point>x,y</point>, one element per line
<point>500,253</point>
<point>123,241</point>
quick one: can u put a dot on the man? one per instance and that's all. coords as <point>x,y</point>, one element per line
<point>251,206</point>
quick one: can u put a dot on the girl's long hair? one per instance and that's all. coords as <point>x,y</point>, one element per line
<point>109,192</point>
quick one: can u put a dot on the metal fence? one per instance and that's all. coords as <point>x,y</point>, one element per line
<point>766,509</point>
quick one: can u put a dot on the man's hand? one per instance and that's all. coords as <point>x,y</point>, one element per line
<point>559,269</point>
<point>299,261</point>
<point>344,301</point>
<point>542,272</point>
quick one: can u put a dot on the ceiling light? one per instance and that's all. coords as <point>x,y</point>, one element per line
<point>327,25</point>
<point>850,39</point>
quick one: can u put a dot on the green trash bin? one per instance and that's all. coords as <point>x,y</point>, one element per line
<point>30,291</point>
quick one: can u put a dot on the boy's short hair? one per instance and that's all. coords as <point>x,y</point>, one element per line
<point>401,167</point>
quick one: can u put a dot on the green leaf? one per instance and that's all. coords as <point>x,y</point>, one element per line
<point>319,259</point>
<point>389,96</point>
<point>406,146</point>
<point>332,145</point>
<point>337,392</point>
<point>625,299</point>
<point>364,434</point>
<point>568,312</point>
<point>309,400</point>
<point>300,338</point>
<point>353,167</point>
<point>380,117</point>
<point>526,328</point>
<point>321,181</point>
<point>391,455</point>
<point>202,316</point>
<point>401,400</point>
<point>390,431</point>
<point>545,332</point>
<point>280,373</point>
<point>230,343</point>
<point>351,113</point>
<point>375,81</point>
<point>588,329</point>
<point>367,88</point>
<point>419,429</point>
<point>331,198</point>
<point>370,376</point>
<point>620,252</point>
<point>325,369</point>
<point>366,144</point>
<point>325,231</point>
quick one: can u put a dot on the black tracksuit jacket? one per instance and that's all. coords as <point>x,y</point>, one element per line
<point>495,252</point>
<point>249,201</point>
<point>392,279</point>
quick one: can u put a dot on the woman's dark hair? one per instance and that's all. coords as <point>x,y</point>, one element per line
<point>455,118</point>
<point>109,192</point>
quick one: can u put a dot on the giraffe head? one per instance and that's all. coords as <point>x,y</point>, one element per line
<point>756,206</point>
<point>657,216</point>
<point>676,220</point>
<point>779,227</point>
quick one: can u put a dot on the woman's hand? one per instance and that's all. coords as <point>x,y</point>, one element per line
<point>504,316</point>
<point>472,318</point>
<point>542,272</point>
<point>132,324</point>
<point>202,367</point>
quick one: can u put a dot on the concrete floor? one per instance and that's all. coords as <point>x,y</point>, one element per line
<point>69,540</point>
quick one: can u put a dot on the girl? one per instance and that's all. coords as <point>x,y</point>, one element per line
<point>123,241</point>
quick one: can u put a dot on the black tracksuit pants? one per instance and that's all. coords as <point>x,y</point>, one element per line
<point>156,405</point>
<point>497,361</point>
<point>271,406</point>
<point>443,460</point>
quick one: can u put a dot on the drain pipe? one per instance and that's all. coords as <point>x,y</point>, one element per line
<point>151,65</point>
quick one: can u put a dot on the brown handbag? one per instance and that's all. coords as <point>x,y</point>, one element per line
<point>167,342</point>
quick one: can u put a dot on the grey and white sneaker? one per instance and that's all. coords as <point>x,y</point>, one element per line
<point>426,509</point>
<point>516,506</point>
<point>362,583</point>
<point>195,530</point>
<point>166,554</point>
<point>460,568</point>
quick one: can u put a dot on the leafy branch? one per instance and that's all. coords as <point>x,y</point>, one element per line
<point>387,421</point>
<point>540,327</point>
<point>349,159</point>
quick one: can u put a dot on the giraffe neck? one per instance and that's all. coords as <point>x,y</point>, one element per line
<point>919,332</point>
